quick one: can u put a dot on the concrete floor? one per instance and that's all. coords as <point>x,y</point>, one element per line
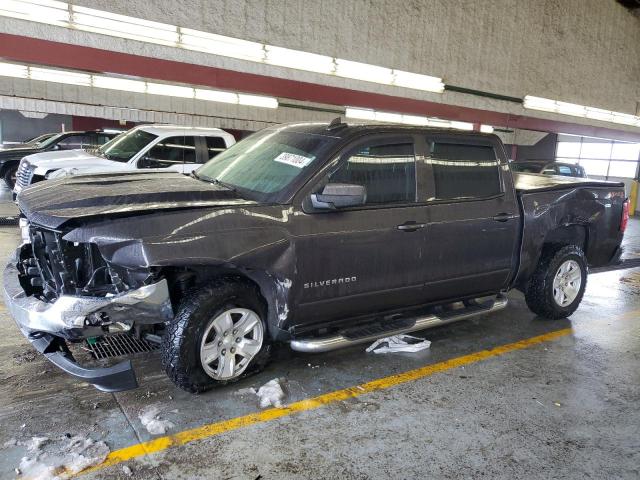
<point>567,408</point>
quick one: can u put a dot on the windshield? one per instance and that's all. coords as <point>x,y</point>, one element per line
<point>50,141</point>
<point>267,161</point>
<point>38,139</point>
<point>123,147</point>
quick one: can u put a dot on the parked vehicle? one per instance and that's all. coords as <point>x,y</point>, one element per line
<point>27,143</point>
<point>549,168</point>
<point>10,158</point>
<point>181,149</point>
<point>321,236</point>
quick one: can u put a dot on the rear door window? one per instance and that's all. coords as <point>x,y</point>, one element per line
<point>387,169</point>
<point>215,145</point>
<point>564,170</point>
<point>463,170</point>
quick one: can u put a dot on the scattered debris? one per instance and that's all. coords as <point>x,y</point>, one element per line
<point>271,393</point>
<point>127,470</point>
<point>313,366</point>
<point>399,343</point>
<point>151,420</point>
<point>10,443</point>
<point>70,458</point>
<point>25,357</point>
<point>36,443</point>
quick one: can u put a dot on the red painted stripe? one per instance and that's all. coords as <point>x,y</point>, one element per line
<point>45,52</point>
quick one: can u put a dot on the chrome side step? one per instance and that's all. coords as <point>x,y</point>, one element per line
<point>345,338</point>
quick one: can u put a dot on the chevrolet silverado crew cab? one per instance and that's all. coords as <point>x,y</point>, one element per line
<point>10,157</point>
<point>316,235</point>
<point>177,148</point>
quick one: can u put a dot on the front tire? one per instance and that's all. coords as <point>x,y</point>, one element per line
<point>218,336</point>
<point>557,286</point>
<point>10,176</point>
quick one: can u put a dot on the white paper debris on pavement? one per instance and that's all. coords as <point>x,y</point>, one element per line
<point>399,343</point>
<point>56,459</point>
<point>153,422</point>
<point>271,393</point>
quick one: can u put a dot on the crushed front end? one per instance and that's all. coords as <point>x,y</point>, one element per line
<point>59,291</point>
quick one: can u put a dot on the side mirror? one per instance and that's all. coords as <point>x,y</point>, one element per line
<point>148,162</point>
<point>339,195</point>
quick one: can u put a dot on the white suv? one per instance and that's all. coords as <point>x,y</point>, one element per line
<point>181,149</point>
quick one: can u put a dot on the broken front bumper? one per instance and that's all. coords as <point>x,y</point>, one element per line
<point>46,324</point>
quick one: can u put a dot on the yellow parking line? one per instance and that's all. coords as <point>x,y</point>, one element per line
<point>206,431</point>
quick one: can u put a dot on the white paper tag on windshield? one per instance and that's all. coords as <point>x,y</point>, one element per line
<point>292,159</point>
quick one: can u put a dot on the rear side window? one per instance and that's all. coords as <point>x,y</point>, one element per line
<point>386,170</point>
<point>215,145</point>
<point>564,170</point>
<point>464,171</point>
<point>74,142</point>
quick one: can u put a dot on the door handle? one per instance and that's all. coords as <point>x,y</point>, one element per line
<point>503,217</point>
<point>411,226</point>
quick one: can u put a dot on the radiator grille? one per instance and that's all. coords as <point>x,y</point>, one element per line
<point>23,176</point>
<point>119,345</point>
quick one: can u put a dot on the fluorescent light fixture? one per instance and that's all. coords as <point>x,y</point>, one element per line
<point>221,45</point>
<point>257,101</point>
<point>42,11</point>
<point>60,76</point>
<point>417,81</point>
<point>13,70</point>
<point>462,125</point>
<point>107,23</point>
<point>68,77</point>
<point>415,120</point>
<point>486,128</point>
<point>439,123</point>
<point>123,26</point>
<point>360,113</point>
<point>363,71</point>
<point>538,103</point>
<point>389,117</point>
<point>564,108</point>
<point>216,96</point>
<point>115,83</point>
<point>170,90</point>
<point>311,62</point>
<point>571,109</point>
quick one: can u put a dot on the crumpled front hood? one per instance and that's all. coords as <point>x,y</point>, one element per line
<point>53,202</point>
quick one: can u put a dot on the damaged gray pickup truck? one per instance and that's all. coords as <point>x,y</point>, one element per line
<point>316,235</point>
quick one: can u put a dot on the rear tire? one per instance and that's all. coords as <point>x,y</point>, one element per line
<point>9,176</point>
<point>556,287</point>
<point>209,325</point>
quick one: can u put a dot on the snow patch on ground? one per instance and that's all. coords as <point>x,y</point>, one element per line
<point>270,394</point>
<point>399,343</point>
<point>61,458</point>
<point>153,422</point>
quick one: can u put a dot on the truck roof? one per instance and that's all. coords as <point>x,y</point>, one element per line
<point>181,130</point>
<point>343,130</point>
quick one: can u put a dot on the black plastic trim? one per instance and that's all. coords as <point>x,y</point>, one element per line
<point>107,379</point>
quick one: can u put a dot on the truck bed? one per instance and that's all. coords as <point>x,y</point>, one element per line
<point>535,182</point>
